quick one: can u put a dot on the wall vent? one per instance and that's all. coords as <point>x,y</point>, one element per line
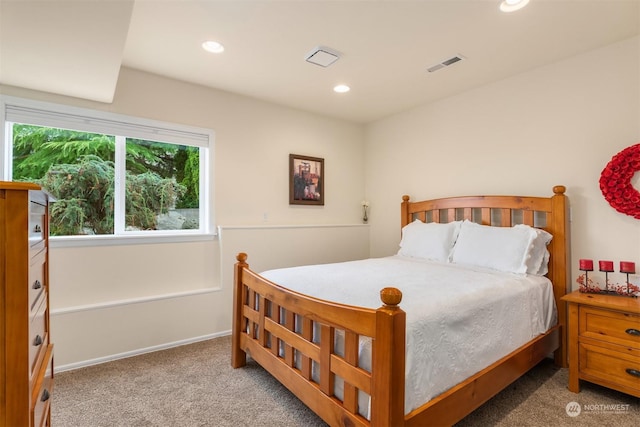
<point>445,63</point>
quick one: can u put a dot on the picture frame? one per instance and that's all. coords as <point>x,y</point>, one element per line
<point>306,180</point>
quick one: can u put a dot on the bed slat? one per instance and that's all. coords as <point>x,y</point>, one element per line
<point>527,218</point>
<point>327,336</point>
<point>451,215</point>
<point>351,358</point>
<point>467,214</point>
<point>306,361</point>
<point>275,317</point>
<point>289,322</point>
<point>505,217</point>
<point>485,215</point>
<point>262,310</point>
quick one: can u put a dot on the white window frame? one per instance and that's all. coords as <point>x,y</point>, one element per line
<point>19,110</point>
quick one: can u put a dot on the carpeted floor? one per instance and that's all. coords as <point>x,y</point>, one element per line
<point>194,385</point>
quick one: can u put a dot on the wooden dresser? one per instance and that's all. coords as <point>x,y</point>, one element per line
<point>604,341</point>
<point>26,352</point>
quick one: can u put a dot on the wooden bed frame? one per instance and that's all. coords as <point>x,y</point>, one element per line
<point>275,326</point>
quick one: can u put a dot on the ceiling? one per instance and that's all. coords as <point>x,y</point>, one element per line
<point>77,47</point>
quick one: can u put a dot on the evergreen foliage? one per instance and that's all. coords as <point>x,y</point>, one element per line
<point>84,193</point>
<point>189,179</point>
<point>78,169</point>
<point>36,148</point>
<point>86,199</point>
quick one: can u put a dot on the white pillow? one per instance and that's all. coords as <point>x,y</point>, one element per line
<point>432,241</point>
<point>538,260</point>
<point>500,248</point>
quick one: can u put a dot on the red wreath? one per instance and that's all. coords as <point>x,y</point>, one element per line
<point>615,181</point>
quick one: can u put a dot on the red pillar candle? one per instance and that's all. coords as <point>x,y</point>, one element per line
<point>606,266</point>
<point>627,267</point>
<point>586,264</point>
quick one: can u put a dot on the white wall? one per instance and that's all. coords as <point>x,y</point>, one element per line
<point>112,301</point>
<point>558,124</point>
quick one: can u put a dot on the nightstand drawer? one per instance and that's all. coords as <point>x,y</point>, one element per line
<point>610,326</point>
<point>610,366</point>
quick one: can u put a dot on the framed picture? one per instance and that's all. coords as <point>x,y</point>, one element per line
<point>306,180</point>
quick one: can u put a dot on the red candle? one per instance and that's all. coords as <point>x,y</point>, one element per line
<point>606,266</point>
<point>627,267</point>
<point>587,265</point>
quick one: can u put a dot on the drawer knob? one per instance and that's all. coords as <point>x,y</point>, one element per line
<point>45,395</point>
<point>633,372</point>
<point>37,341</point>
<point>36,285</point>
<point>633,332</point>
<point>37,229</point>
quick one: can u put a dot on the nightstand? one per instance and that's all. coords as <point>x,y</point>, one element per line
<point>604,341</point>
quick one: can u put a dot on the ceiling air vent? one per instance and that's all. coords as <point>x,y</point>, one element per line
<point>322,56</point>
<point>445,63</point>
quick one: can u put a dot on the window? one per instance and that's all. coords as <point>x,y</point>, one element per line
<point>112,176</point>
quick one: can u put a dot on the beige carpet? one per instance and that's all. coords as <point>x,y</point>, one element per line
<point>194,385</point>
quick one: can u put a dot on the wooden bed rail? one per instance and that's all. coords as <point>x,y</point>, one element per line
<point>294,335</point>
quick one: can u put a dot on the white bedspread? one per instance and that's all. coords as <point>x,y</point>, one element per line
<point>459,319</point>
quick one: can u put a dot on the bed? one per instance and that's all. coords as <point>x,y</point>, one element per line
<point>331,354</point>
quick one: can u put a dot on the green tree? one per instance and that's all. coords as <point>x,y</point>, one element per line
<point>84,193</point>
<point>36,149</point>
<point>85,197</point>
<point>189,161</point>
<point>147,196</point>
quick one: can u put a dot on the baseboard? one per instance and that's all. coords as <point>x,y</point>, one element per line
<point>137,352</point>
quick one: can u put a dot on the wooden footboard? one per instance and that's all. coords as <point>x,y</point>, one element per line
<point>293,336</point>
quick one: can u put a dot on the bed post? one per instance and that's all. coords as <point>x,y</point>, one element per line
<point>404,212</point>
<point>561,268</point>
<point>388,363</point>
<point>238,356</point>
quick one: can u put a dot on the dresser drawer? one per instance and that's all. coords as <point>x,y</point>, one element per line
<point>43,391</point>
<point>36,223</point>
<point>36,283</point>
<point>610,326</point>
<point>37,333</point>
<point>610,366</point>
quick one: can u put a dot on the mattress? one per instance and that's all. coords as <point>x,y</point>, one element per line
<point>460,319</point>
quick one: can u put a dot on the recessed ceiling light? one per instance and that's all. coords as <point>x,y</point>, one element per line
<point>341,88</point>
<point>213,47</point>
<point>513,5</point>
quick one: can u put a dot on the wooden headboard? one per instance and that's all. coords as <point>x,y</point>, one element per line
<point>548,213</point>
